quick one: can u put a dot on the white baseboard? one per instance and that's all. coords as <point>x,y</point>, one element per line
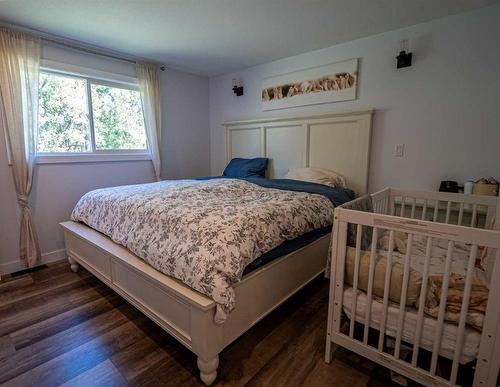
<point>13,266</point>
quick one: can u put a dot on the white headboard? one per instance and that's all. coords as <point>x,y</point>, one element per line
<point>337,141</point>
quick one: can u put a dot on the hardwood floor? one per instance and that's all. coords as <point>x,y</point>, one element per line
<point>62,328</point>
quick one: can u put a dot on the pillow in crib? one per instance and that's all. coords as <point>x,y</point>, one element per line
<point>399,242</point>
<point>317,175</point>
<point>397,272</point>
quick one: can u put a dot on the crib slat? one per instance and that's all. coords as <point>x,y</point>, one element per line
<point>359,231</point>
<point>463,314</point>
<point>424,210</point>
<point>442,308</point>
<point>391,206</point>
<point>474,214</point>
<point>448,210</point>
<point>402,302</point>
<point>413,203</point>
<point>421,303</point>
<point>460,214</point>
<point>387,284</point>
<point>436,209</point>
<point>370,285</point>
<point>402,212</point>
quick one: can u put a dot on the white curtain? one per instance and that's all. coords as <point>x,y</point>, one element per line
<point>19,70</point>
<point>148,75</point>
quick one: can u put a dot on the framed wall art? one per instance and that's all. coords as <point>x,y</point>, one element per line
<point>322,84</point>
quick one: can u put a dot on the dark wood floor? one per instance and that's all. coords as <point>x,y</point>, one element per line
<point>61,328</point>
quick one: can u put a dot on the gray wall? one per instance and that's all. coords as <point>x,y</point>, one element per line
<point>57,187</point>
<point>445,108</point>
<point>186,134</point>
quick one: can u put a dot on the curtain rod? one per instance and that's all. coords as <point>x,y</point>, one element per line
<point>76,45</point>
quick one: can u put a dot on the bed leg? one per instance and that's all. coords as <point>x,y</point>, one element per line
<point>73,264</point>
<point>208,369</point>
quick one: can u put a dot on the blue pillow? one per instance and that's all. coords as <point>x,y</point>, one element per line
<point>246,167</point>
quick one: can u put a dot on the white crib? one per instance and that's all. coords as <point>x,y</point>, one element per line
<point>468,220</point>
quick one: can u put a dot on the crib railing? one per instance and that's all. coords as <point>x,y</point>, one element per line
<point>471,210</point>
<point>349,219</point>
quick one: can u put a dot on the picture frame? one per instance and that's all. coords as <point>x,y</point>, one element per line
<point>328,83</point>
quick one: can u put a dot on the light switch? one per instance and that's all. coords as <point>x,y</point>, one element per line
<point>399,150</point>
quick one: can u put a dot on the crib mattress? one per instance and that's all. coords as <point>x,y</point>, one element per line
<point>472,337</point>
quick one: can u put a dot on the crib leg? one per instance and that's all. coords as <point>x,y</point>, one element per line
<point>328,349</point>
<point>208,369</point>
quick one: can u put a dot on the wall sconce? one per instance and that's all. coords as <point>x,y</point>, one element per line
<point>237,87</point>
<point>404,58</point>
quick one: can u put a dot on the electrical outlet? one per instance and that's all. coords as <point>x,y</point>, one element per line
<point>399,150</point>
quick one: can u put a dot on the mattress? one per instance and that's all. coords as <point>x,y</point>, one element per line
<point>472,337</point>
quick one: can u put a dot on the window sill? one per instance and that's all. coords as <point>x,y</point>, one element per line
<point>90,157</point>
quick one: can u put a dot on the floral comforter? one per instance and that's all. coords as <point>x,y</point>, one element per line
<point>203,233</point>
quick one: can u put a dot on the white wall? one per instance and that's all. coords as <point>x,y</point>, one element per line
<point>445,108</point>
<point>57,187</point>
<point>186,135</point>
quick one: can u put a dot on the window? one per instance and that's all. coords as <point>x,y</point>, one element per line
<point>83,115</point>
<point>63,120</point>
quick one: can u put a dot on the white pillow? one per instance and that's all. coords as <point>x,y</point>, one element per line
<point>317,175</point>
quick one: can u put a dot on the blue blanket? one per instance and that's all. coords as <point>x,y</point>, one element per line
<point>336,195</point>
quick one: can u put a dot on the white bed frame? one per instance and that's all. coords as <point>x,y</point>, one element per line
<point>447,216</point>
<point>337,141</point>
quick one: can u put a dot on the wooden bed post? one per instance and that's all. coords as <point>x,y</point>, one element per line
<point>207,342</point>
<point>208,369</point>
<point>73,264</point>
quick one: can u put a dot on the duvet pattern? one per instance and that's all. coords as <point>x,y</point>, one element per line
<point>203,233</point>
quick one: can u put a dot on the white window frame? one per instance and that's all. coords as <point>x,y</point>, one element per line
<point>92,76</point>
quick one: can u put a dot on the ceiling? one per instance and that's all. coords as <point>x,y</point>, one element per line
<point>210,37</point>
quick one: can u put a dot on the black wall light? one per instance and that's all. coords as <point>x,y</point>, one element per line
<point>237,87</point>
<point>404,58</point>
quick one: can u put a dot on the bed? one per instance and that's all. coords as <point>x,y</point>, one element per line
<point>439,252</point>
<point>336,141</point>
